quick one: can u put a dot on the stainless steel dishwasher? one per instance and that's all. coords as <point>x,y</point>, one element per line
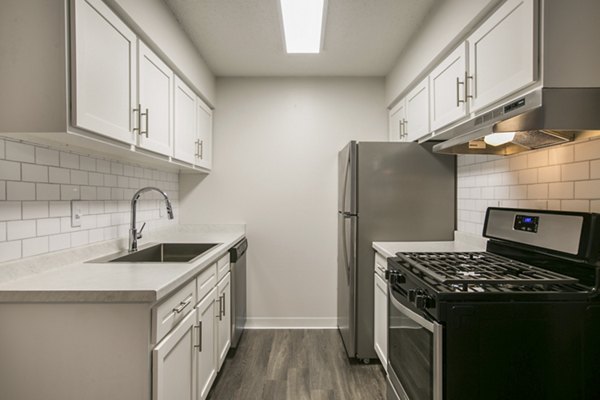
<point>238,294</point>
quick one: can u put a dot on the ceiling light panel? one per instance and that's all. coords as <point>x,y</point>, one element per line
<point>302,25</point>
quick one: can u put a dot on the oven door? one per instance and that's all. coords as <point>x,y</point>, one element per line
<point>414,351</point>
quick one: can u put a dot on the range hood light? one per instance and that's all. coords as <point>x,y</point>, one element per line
<point>499,138</point>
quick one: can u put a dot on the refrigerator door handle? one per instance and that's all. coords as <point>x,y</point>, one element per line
<point>346,264</point>
<point>346,172</point>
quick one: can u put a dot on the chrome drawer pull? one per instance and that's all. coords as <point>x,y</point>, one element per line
<point>199,345</point>
<point>181,306</point>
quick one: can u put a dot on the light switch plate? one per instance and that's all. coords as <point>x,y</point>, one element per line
<point>76,213</point>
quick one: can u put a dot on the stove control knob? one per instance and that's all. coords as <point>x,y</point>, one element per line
<point>396,277</point>
<point>423,301</point>
<point>412,294</point>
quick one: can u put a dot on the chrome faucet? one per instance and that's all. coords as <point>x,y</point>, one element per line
<point>134,235</point>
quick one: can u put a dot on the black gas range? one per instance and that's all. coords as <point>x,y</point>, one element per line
<point>518,321</point>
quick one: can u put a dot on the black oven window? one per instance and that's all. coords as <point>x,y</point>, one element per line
<point>411,355</point>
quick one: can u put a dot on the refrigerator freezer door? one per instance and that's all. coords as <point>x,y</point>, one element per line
<point>347,281</point>
<point>347,179</point>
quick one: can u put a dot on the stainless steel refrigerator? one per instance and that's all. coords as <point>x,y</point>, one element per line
<point>386,192</point>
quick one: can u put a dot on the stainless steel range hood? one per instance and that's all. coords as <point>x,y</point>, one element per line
<point>542,118</point>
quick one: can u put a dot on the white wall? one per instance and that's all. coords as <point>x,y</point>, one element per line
<point>275,168</point>
<point>563,178</point>
<point>161,28</point>
<point>447,23</point>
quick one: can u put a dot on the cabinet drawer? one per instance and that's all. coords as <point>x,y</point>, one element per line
<point>222,267</point>
<point>380,265</point>
<point>206,281</point>
<point>167,315</point>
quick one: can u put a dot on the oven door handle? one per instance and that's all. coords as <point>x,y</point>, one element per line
<point>411,314</point>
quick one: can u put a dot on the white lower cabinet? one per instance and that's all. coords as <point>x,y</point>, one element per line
<point>206,359</point>
<point>174,363</point>
<point>224,318</point>
<point>380,327</point>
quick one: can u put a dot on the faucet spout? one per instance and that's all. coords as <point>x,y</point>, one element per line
<point>134,235</point>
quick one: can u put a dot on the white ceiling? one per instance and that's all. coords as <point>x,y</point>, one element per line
<point>244,37</point>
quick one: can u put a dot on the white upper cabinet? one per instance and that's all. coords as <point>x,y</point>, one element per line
<point>155,105</point>
<point>397,121</point>
<point>204,135</point>
<point>185,148</point>
<point>417,112</point>
<point>104,73</point>
<point>503,53</point>
<point>448,94</point>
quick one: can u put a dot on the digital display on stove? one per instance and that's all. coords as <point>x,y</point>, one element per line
<point>526,223</point>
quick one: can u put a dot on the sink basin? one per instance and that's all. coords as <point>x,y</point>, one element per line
<point>167,252</point>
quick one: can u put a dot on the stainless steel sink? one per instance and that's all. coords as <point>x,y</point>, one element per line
<point>162,252</point>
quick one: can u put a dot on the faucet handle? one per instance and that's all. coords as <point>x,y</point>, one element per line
<point>139,233</point>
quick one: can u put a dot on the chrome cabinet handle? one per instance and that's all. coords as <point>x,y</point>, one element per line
<point>401,129</point>
<point>201,144</point>
<point>137,110</point>
<point>467,78</point>
<point>404,128</point>
<point>146,114</point>
<point>224,306</point>
<point>220,305</point>
<point>197,152</point>
<point>458,100</point>
<point>199,345</point>
<point>181,306</point>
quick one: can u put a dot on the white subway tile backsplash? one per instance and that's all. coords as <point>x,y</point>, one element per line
<point>60,209</point>
<point>20,229</point>
<point>576,171</point>
<point>587,189</point>
<point>563,190</point>
<point>79,177</point>
<point>537,159</point>
<point>37,184</point>
<point>69,160</point>
<point>549,174</point>
<point>10,250</point>
<point>103,166</point>
<point>46,191</point>
<point>560,178</point>
<point>35,209</point>
<point>20,190</point>
<point>60,242</point>
<point>587,150</point>
<point>69,192</point>
<point>48,226</point>
<point>35,246</point>
<point>10,170</point>
<point>575,205</point>
<point>17,151</point>
<point>46,156</point>
<point>87,163</point>
<point>59,175</point>
<point>560,155</point>
<point>79,238</point>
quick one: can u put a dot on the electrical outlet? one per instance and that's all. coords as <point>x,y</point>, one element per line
<point>76,213</point>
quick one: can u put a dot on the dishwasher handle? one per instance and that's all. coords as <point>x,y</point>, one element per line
<point>238,250</point>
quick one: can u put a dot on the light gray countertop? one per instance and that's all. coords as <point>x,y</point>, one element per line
<point>80,281</point>
<point>461,242</point>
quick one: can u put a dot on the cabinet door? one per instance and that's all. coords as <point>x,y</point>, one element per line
<point>155,82</point>
<point>417,112</point>
<point>204,138</point>
<point>104,71</point>
<point>381,320</point>
<point>207,350</point>
<point>173,363</point>
<point>397,119</point>
<point>224,318</point>
<point>447,82</point>
<point>184,122</point>
<point>503,53</point>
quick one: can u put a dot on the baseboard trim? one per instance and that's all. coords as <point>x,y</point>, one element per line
<point>291,323</point>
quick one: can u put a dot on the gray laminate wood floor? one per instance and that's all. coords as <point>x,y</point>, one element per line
<point>296,365</point>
